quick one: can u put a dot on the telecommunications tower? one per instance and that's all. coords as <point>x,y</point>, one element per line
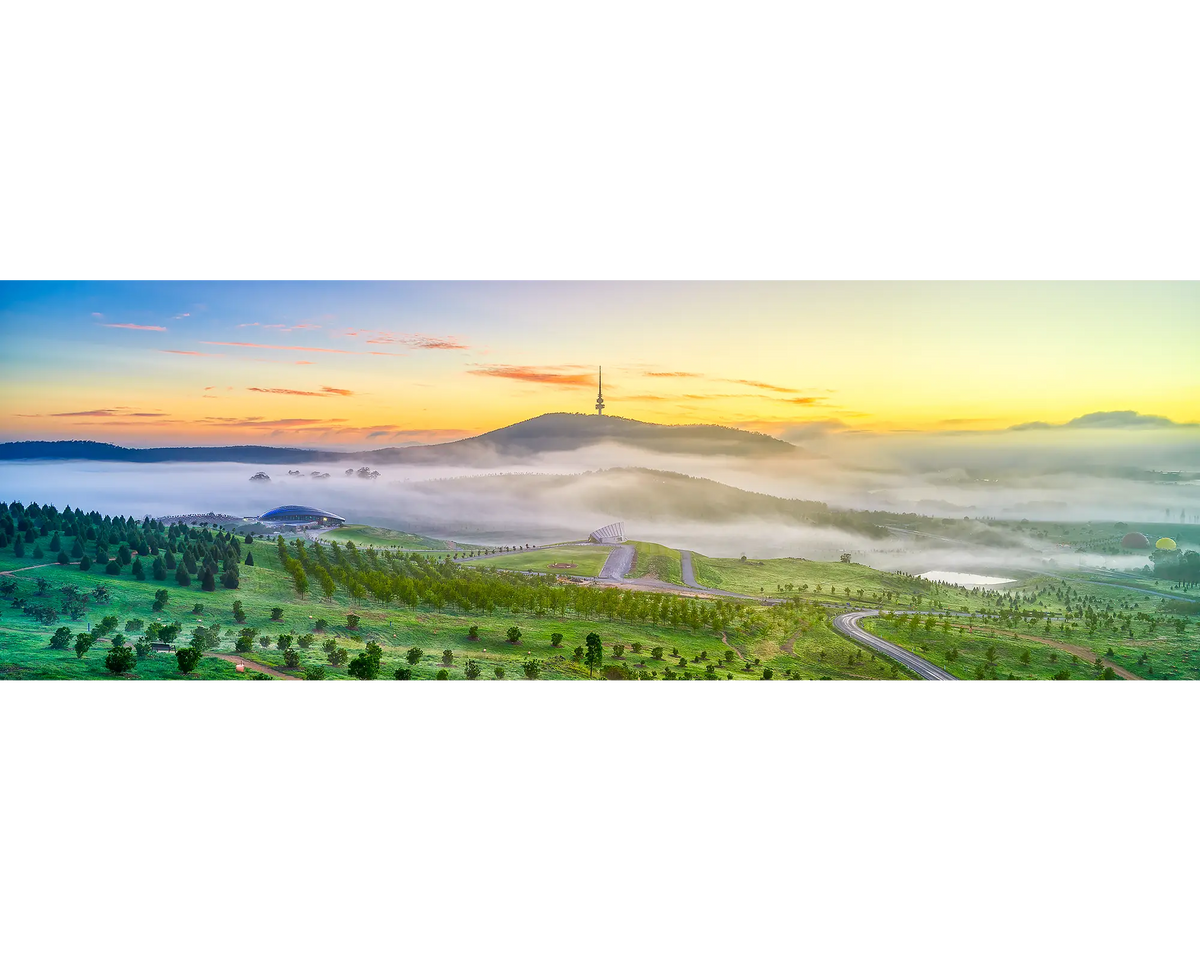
<point>600,393</point>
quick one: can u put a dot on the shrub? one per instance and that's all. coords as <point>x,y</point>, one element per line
<point>120,659</point>
<point>499,672</point>
<point>619,651</point>
<point>514,634</point>
<point>64,559</point>
<point>320,625</point>
<point>305,641</point>
<point>577,653</point>
<point>187,658</point>
<point>472,670</point>
<point>366,665</point>
<point>291,658</point>
<point>403,673</point>
<point>277,613</point>
<point>239,614</point>
<point>284,641</point>
<point>657,653</point>
<point>61,639</point>
<point>556,639</point>
<point>115,568</point>
<point>473,633</point>
<point>142,648</point>
<point>768,673</point>
<point>83,643</point>
<point>414,655</point>
<point>352,620</point>
<point>338,656</point>
<point>314,671</point>
<point>531,668</point>
<point>443,675</point>
<point>447,657</point>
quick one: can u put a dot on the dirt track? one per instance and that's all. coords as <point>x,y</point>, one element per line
<point>251,665</point>
<point>1083,653</point>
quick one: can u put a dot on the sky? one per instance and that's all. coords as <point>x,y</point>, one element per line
<point>377,364</point>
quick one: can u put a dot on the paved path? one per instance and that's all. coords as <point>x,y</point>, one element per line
<point>847,624</point>
<point>616,566</point>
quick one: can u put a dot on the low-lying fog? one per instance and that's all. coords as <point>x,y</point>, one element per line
<point>1039,479</point>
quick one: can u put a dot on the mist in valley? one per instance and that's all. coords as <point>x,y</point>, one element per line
<point>1144,476</point>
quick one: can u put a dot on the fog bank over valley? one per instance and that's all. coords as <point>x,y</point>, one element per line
<point>805,505</point>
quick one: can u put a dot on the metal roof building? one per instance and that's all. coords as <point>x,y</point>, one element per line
<point>293,513</point>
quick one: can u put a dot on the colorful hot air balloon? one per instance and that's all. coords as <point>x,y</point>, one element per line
<point>1165,543</point>
<point>1135,541</point>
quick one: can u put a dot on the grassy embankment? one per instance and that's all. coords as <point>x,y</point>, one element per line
<point>380,537</point>
<point>653,559</point>
<point>584,561</point>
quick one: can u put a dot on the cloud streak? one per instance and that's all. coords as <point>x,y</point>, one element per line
<point>270,346</point>
<point>323,392</point>
<point>551,376</point>
<point>133,326</point>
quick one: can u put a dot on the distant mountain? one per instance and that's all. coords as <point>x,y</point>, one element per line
<point>566,432</point>
<point>91,450</point>
<point>549,433</point>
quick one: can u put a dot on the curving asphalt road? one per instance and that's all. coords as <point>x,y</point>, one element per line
<point>847,624</point>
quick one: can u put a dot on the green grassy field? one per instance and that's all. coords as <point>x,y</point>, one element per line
<point>977,652</point>
<point>653,559</point>
<point>365,536</point>
<point>794,640</point>
<point>790,642</point>
<point>809,578</point>
<point>586,561</point>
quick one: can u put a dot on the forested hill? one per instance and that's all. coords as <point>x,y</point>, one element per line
<point>566,432</point>
<point>92,450</point>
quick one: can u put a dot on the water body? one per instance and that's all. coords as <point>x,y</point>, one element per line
<point>963,579</point>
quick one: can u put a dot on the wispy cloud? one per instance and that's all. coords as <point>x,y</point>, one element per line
<point>323,392</point>
<point>191,353</point>
<point>134,326</point>
<point>417,341</point>
<point>670,373</point>
<point>104,412</point>
<point>180,316</point>
<point>270,346</point>
<point>553,376</point>
<point>762,386</point>
<point>260,422</point>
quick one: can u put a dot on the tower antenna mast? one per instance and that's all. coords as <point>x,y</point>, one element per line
<point>600,393</point>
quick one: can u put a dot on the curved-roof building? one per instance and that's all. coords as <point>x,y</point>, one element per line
<point>1166,543</point>
<point>1135,541</point>
<point>294,513</point>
